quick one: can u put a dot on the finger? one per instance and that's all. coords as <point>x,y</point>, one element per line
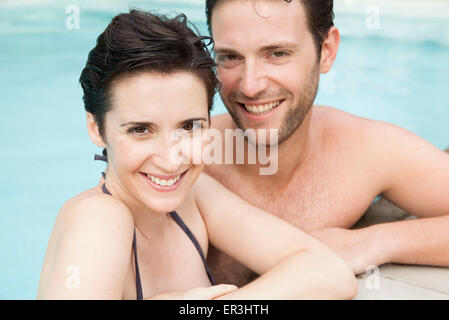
<point>219,290</point>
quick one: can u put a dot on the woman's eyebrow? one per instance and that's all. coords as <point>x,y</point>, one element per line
<point>150,124</point>
<point>194,119</point>
<point>138,123</point>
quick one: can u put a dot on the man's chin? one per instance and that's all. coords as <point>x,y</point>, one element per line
<point>260,135</point>
<point>255,132</point>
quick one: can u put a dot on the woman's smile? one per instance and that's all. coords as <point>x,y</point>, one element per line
<point>164,183</point>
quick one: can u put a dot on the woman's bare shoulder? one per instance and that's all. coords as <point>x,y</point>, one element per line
<point>203,188</point>
<point>92,206</point>
<point>92,231</point>
<point>203,182</point>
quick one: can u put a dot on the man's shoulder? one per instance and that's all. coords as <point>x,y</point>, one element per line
<point>370,141</point>
<point>331,115</point>
<point>344,125</point>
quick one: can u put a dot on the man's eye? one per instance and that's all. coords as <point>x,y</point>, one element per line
<point>227,60</point>
<point>279,54</point>
<point>228,57</point>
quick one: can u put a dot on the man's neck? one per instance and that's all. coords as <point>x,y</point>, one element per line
<point>293,153</point>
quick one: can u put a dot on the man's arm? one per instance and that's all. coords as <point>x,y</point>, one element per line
<point>423,241</point>
<point>417,180</point>
<point>418,174</point>
<point>419,184</point>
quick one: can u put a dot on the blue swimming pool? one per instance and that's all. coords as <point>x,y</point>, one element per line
<point>393,65</point>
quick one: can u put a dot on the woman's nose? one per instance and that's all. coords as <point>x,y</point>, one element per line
<point>167,158</point>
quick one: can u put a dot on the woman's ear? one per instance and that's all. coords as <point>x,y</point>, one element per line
<point>92,130</point>
<point>329,50</point>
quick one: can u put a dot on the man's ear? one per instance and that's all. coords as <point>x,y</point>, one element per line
<point>92,130</point>
<point>329,50</point>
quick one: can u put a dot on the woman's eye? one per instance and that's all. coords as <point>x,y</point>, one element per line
<point>191,125</point>
<point>138,130</point>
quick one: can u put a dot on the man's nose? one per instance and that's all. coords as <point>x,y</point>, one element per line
<point>254,80</point>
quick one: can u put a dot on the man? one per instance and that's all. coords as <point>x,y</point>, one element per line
<point>270,54</point>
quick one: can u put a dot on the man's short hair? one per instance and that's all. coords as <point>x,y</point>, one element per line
<point>320,18</point>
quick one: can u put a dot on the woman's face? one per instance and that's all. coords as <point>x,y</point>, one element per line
<point>151,114</point>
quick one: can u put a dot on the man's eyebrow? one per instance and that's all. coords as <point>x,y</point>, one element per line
<point>269,47</point>
<point>224,50</point>
<point>279,45</point>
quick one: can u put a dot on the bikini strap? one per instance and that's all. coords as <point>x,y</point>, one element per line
<point>138,281</point>
<point>103,187</point>
<point>103,157</point>
<point>189,233</point>
<point>139,291</point>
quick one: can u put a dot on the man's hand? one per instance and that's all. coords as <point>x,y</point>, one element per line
<point>203,293</point>
<point>359,248</point>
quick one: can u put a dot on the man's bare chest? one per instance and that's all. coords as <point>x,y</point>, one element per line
<point>309,202</point>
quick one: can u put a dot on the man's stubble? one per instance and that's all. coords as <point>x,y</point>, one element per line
<point>295,116</point>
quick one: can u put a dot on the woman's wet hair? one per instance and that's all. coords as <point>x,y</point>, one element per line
<point>141,41</point>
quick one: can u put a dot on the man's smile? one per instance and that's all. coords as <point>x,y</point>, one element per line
<point>261,108</point>
<point>259,111</point>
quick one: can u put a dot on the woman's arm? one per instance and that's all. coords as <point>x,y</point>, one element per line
<point>93,253</point>
<point>200,293</point>
<point>292,264</point>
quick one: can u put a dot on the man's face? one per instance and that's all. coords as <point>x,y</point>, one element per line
<point>267,63</point>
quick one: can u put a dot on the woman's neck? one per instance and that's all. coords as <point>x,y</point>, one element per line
<point>147,221</point>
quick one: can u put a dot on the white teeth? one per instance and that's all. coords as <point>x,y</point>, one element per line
<point>262,108</point>
<point>163,182</point>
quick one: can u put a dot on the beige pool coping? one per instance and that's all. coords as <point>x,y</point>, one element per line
<point>401,282</point>
<point>394,281</point>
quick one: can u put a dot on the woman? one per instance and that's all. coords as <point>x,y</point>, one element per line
<point>144,231</point>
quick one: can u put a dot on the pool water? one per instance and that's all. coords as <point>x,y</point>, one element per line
<point>394,68</point>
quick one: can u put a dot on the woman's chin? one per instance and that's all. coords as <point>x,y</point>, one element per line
<point>162,205</point>
<point>165,208</point>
